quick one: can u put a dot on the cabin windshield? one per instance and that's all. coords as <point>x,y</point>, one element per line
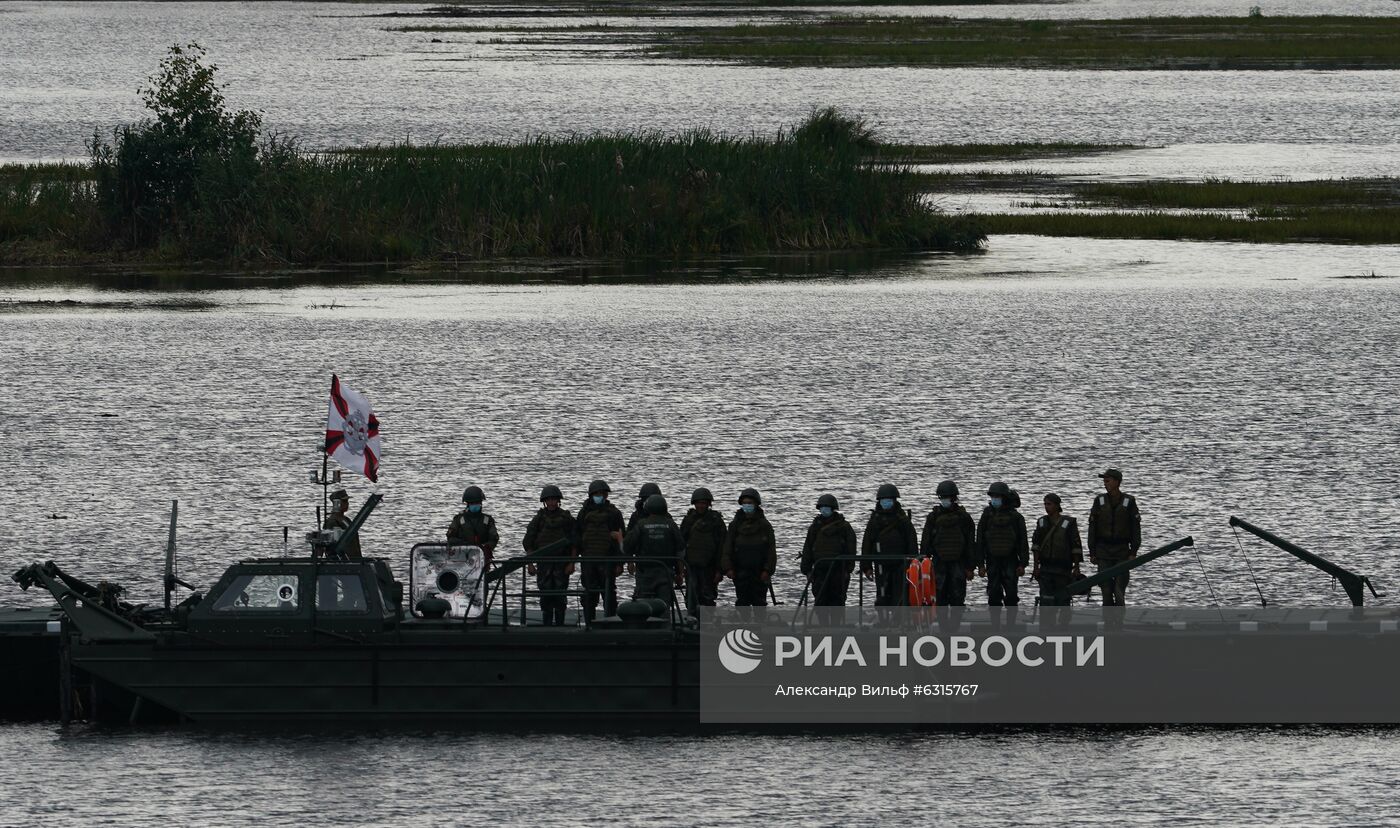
<point>340,593</point>
<point>269,592</point>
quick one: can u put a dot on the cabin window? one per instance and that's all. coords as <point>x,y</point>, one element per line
<point>274,592</point>
<point>340,593</point>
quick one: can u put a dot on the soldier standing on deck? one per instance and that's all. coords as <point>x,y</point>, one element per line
<point>703,530</point>
<point>639,509</point>
<point>889,532</point>
<point>473,527</point>
<point>598,533</point>
<point>655,536</point>
<point>338,521</point>
<point>1058,554</point>
<point>552,524</point>
<point>1115,533</point>
<point>948,538</point>
<point>750,552</point>
<point>829,536</point>
<point>1002,550</point>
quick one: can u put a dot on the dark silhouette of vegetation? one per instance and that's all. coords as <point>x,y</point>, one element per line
<point>196,181</point>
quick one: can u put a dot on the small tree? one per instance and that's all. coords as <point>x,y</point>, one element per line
<point>193,154</point>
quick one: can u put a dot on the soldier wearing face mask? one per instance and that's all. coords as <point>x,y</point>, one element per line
<point>948,538</point>
<point>750,552</point>
<point>889,532</point>
<point>598,533</point>
<point>829,536</point>
<point>472,526</point>
<point>704,530</point>
<point>1002,549</point>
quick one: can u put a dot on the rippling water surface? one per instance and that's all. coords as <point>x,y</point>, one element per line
<point>1293,776</point>
<point>1223,378</point>
<point>334,74</point>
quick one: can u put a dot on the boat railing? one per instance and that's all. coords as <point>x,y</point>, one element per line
<point>498,573</point>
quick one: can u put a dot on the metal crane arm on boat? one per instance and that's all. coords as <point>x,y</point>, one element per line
<point>85,611</point>
<point>1103,576</point>
<point>1350,581</point>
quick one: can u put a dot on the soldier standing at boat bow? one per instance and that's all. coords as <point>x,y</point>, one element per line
<point>889,532</point>
<point>829,536</point>
<point>1058,555</point>
<point>1002,550</point>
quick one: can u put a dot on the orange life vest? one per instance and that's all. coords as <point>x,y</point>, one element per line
<point>922,588</point>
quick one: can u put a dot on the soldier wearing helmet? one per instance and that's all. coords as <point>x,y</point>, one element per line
<point>889,532</point>
<point>639,510</point>
<point>830,536</point>
<point>1002,550</point>
<point>1058,554</point>
<point>750,552</point>
<point>550,525</point>
<point>703,530</point>
<point>948,538</point>
<point>656,539</point>
<point>472,526</point>
<point>598,533</point>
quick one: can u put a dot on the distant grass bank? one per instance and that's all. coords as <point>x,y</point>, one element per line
<point>1348,211</point>
<point>1332,226</point>
<point>1179,43</point>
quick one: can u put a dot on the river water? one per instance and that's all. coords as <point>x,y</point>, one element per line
<point>1258,380</point>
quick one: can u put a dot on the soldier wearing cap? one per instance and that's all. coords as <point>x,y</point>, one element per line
<point>1115,533</point>
<point>337,522</point>
<point>1058,553</point>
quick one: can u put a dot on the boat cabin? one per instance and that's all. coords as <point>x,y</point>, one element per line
<point>286,596</point>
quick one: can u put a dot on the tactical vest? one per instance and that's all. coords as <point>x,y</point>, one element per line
<point>704,536</point>
<point>1055,546</point>
<point>553,526</point>
<point>658,537</point>
<point>1114,524</point>
<point>830,539</point>
<point>1000,533</point>
<point>750,542</point>
<point>472,529</point>
<point>891,534</point>
<point>949,538</point>
<point>595,538</point>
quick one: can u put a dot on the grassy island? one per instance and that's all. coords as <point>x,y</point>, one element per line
<point>198,183</point>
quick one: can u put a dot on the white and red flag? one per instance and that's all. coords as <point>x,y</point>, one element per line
<point>352,431</point>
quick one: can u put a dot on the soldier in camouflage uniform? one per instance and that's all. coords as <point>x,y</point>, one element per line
<point>1058,554</point>
<point>703,530</point>
<point>750,552</point>
<point>472,526</point>
<point>889,532</point>
<point>1115,533</point>
<point>1002,550</point>
<point>829,536</point>
<point>598,533</point>
<point>655,536</point>
<point>948,538</point>
<point>551,524</point>
<point>339,520</point>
